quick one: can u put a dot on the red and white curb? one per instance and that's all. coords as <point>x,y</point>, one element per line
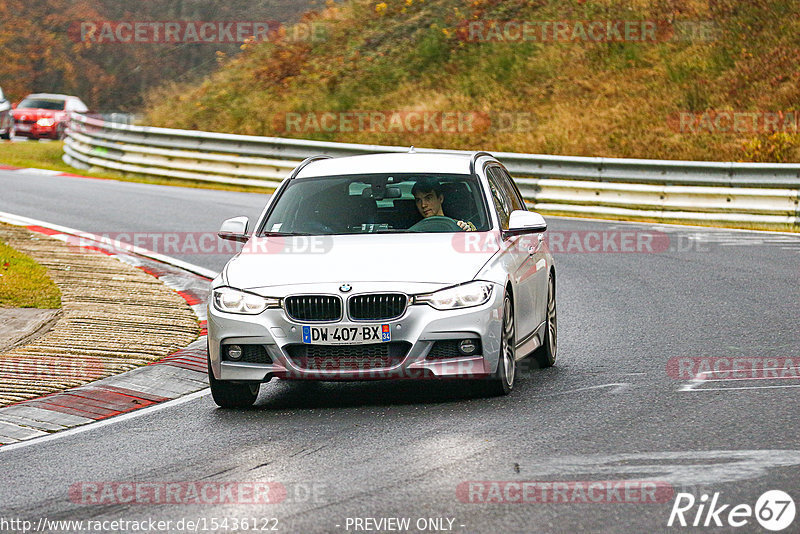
<point>49,172</point>
<point>176,375</point>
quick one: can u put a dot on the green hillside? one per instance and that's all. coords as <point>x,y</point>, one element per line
<point>714,80</point>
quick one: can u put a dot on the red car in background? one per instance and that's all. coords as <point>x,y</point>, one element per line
<point>43,115</point>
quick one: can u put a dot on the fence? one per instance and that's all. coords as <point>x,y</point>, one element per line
<point>763,194</point>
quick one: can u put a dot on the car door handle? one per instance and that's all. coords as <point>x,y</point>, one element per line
<point>533,248</point>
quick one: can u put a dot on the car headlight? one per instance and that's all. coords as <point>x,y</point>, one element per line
<point>227,299</point>
<point>46,121</point>
<point>463,296</point>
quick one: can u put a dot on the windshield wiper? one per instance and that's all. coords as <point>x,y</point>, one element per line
<point>283,234</point>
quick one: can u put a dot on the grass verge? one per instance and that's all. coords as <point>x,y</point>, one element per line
<point>47,155</point>
<point>24,283</point>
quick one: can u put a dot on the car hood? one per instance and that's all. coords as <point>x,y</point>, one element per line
<point>422,258</point>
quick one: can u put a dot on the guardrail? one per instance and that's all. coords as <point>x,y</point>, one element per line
<point>764,194</point>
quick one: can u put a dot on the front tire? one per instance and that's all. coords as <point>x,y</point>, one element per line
<point>230,394</point>
<point>502,381</point>
<point>546,354</point>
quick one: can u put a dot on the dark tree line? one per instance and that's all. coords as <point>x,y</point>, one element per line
<point>42,49</point>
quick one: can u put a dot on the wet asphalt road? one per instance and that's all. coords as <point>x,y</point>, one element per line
<point>609,410</point>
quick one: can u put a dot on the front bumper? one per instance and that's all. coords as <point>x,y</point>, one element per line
<point>418,328</point>
<point>34,131</point>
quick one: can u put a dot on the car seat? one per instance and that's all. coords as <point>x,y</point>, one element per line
<point>458,202</point>
<point>404,213</point>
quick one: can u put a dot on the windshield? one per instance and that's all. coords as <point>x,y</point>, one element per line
<point>378,203</point>
<point>42,103</point>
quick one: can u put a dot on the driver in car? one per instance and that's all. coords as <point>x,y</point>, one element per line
<point>429,196</point>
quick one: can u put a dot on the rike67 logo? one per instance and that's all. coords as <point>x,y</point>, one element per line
<point>774,511</point>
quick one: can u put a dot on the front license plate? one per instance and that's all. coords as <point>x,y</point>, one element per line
<point>24,127</point>
<point>346,335</point>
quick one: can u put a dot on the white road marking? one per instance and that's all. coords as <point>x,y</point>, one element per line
<point>112,420</point>
<point>38,171</point>
<point>703,378</point>
<point>26,221</point>
<point>618,387</point>
<point>746,387</point>
<point>754,378</point>
<point>673,467</point>
<point>10,218</point>
<point>693,383</point>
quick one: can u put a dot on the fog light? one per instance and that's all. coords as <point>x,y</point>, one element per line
<point>466,347</point>
<point>234,352</point>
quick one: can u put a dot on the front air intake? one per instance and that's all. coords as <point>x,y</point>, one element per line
<point>377,307</point>
<point>313,308</point>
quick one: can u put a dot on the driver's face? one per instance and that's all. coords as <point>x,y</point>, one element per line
<point>429,204</point>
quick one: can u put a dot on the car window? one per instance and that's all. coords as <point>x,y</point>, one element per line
<point>508,185</point>
<point>373,203</point>
<point>42,103</point>
<point>501,201</point>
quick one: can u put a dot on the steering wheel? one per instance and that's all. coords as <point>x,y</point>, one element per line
<point>436,223</point>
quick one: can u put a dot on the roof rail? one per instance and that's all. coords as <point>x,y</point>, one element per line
<point>305,162</point>
<point>474,159</point>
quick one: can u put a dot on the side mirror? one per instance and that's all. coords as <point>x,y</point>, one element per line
<point>524,222</point>
<point>234,229</point>
<point>14,105</point>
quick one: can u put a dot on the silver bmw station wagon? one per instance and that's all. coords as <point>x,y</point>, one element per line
<point>386,266</point>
